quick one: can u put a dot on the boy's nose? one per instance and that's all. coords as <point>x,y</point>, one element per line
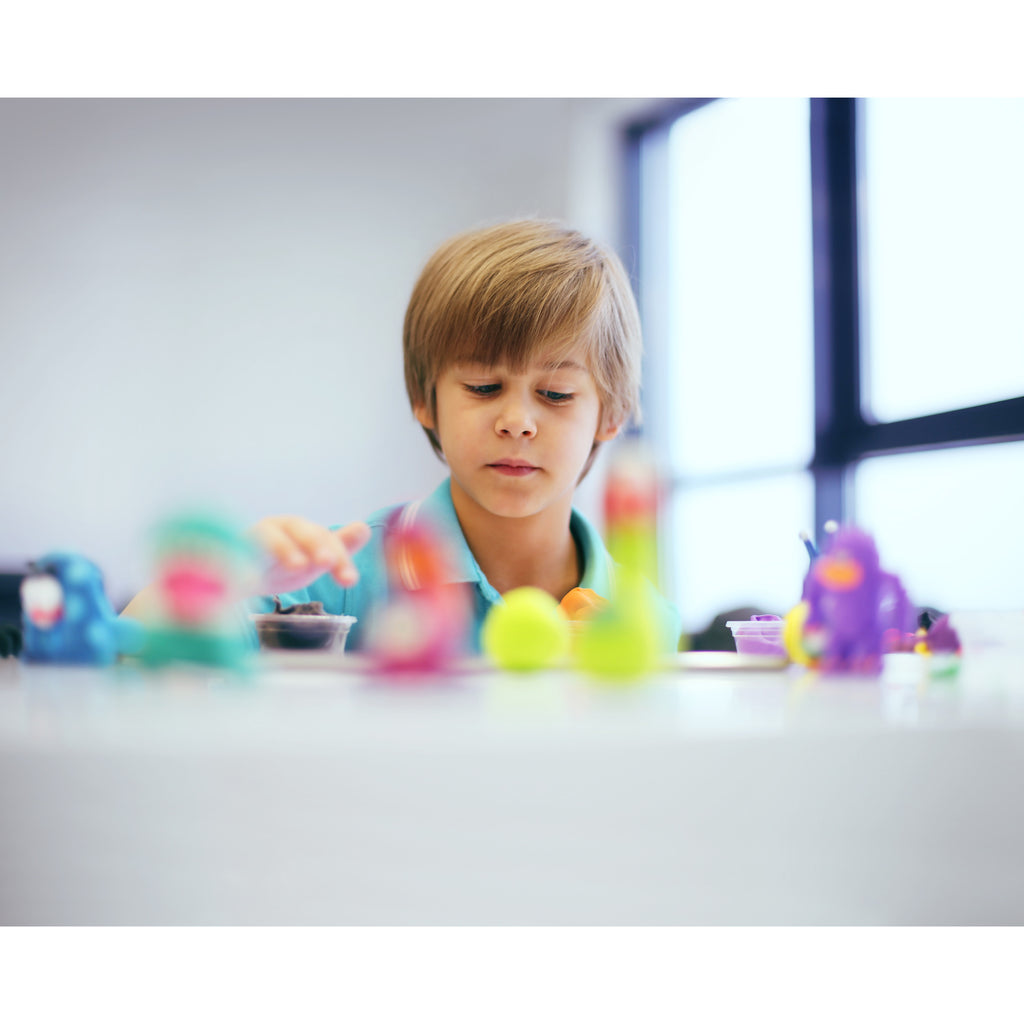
<point>514,421</point>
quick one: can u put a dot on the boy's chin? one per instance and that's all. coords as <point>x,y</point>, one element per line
<point>525,508</point>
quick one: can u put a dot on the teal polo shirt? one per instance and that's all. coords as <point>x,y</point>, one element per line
<point>373,588</point>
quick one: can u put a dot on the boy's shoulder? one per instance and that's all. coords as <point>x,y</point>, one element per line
<point>379,519</point>
<point>437,506</point>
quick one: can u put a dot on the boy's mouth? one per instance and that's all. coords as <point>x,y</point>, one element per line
<point>513,467</point>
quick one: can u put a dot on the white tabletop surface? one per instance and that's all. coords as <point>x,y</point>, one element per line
<point>314,793</point>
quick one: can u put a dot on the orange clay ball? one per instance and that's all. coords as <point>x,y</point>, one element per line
<point>582,603</point>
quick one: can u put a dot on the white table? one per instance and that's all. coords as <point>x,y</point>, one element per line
<point>313,795</point>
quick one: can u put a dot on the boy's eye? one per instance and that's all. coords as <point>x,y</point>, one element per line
<point>483,389</point>
<point>557,396</point>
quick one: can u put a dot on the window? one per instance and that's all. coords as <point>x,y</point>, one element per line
<point>833,332</point>
<point>942,213</point>
<point>948,521</point>
<point>740,303</point>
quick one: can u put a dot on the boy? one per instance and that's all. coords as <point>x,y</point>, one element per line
<point>522,356</point>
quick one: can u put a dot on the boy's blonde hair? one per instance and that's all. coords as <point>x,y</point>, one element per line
<point>499,294</point>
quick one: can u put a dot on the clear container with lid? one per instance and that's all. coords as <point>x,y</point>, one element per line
<point>761,634</point>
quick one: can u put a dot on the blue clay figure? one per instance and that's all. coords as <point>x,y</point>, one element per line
<point>66,617</point>
<point>853,606</point>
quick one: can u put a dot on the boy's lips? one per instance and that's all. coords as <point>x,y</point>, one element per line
<point>513,467</point>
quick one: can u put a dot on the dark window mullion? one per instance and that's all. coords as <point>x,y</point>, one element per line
<point>837,411</point>
<point>980,424</point>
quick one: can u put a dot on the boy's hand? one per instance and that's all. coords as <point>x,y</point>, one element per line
<point>301,551</point>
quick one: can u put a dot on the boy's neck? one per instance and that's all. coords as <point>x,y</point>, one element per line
<point>535,551</point>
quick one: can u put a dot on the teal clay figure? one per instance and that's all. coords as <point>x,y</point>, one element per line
<point>66,617</point>
<point>203,566</point>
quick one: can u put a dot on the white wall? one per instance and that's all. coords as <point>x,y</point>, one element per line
<point>201,300</point>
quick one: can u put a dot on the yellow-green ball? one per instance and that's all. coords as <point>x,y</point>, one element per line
<point>618,645</point>
<point>624,640</point>
<point>527,632</point>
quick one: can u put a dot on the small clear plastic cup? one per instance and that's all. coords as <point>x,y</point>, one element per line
<point>303,632</point>
<point>762,634</point>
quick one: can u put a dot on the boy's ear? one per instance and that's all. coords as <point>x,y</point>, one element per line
<point>607,431</point>
<point>424,417</point>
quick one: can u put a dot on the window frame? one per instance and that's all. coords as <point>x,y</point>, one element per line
<point>843,435</point>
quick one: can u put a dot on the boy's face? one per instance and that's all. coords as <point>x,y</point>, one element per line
<point>516,443</point>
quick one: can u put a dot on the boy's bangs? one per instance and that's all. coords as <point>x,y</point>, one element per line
<point>518,352</point>
<point>516,333</point>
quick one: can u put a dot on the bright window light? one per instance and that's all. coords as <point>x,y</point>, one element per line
<point>942,218</point>
<point>740,321</point>
<point>739,544</point>
<point>948,522</point>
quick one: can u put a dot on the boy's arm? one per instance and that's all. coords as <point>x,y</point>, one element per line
<point>299,552</point>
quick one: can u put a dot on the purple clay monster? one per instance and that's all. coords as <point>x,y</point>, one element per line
<point>854,607</point>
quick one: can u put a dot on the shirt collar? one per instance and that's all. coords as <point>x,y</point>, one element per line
<point>440,510</point>
<point>597,563</point>
<point>597,566</point>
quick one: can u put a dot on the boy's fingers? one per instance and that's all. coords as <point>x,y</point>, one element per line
<point>316,542</point>
<point>298,543</point>
<point>353,536</point>
<point>349,539</point>
<point>279,543</point>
